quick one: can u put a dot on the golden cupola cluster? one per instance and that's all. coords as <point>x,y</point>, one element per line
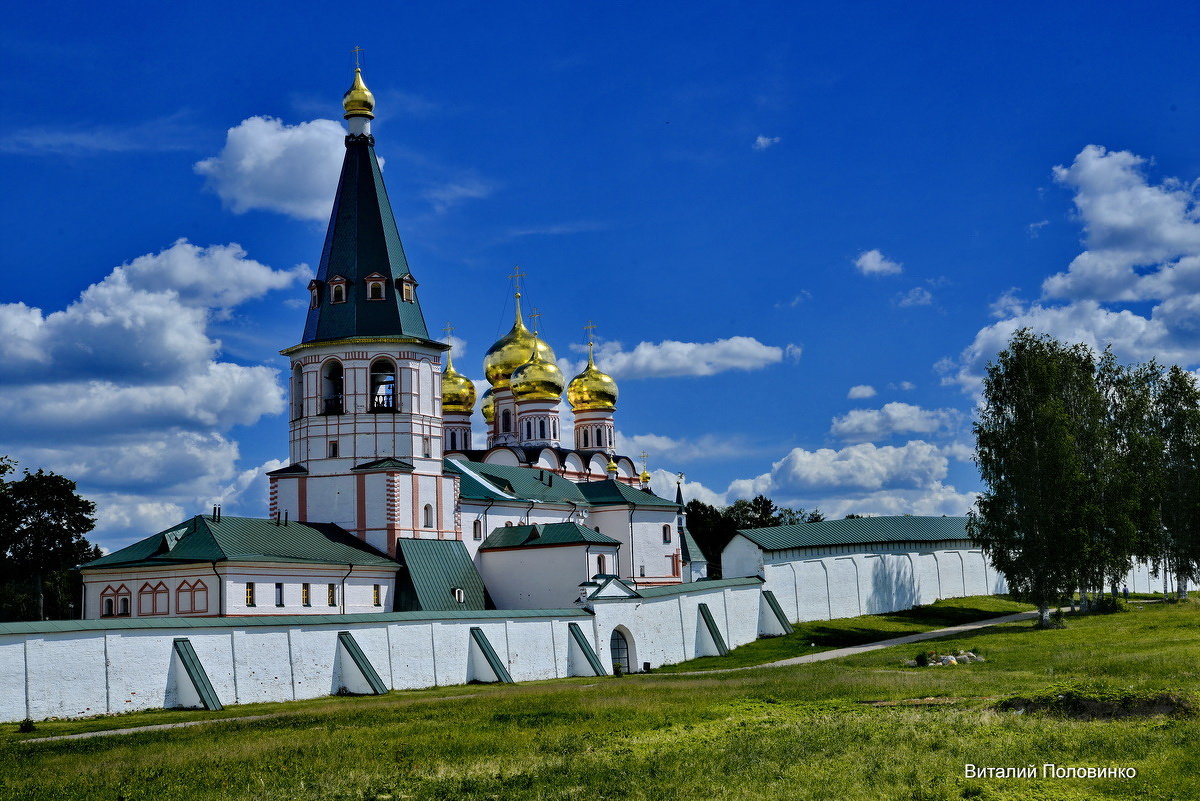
<point>458,392</point>
<point>592,390</point>
<point>537,379</point>
<point>358,100</point>
<point>511,351</point>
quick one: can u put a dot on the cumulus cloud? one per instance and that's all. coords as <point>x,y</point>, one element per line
<point>663,483</point>
<point>674,358</point>
<point>917,296</point>
<point>123,390</point>
<point>266,164</point>
<point>763,142</point>
<point>859,391</point>
<point>868,425</point>
<point>873,262</point>
<point>1141,244</point>
<point>863,479</point>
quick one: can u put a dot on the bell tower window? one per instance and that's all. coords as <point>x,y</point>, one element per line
<point>383,386</point>
<point>337,289</point>
<point>505,421</point>
<point>375,283</point>
<point>331,388</point>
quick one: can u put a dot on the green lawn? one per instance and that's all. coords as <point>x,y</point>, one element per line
<point>806,732</point>
<point>823,635</point>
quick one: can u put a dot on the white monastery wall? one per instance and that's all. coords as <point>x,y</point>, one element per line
<point>113,668</point>
<point>559,570</point>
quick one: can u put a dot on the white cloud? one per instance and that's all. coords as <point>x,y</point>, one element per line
<point>123,391</point>
<point>265,164</point>
<point>867,425</point>
<point>663,483</point>
<point>1128,223</point>
<point>445,195</point>
<point>873,262</point>
<point>917,296</point>
<point>673,358</point>
<point>861,391</point>
<point>906,386</point>
<point>860,479</point>
<point>763,142</point>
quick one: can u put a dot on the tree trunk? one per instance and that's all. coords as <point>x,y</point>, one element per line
<point>1181,585</point>
<point>1043,621</point>
<point>41,601</point>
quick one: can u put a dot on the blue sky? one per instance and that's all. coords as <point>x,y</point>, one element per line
<point>802,230</point>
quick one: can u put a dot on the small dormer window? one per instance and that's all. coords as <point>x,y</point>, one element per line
<point>408,289</point>
<point>458,595</point>
<point>337,289</point>
<point>314,294</point>
<point>375,282</point>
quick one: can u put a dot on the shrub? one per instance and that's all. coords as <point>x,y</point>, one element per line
<point>26,726</point>
<point>922,659</point>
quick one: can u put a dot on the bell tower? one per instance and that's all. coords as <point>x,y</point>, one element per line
<point>366,433</point>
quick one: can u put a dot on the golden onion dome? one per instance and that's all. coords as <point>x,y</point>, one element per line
<point>537,379</point>
<point>512,350</point>
<point>458,392</point>
<point>611,466</point>
<point>645,476</point>
<point>592,390</point>
<point>358,100</point>
<point>487,405</point>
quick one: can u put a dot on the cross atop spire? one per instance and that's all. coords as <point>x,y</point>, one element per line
<point>356,51</point>
<point>516,277</point>
<point>536,316</point>
<point>644,457</point>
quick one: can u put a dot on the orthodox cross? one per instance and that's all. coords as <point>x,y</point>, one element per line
<point>588,330</point>
<point>516,277</point>
<point>448,328</point>
<point>536,316</point>
<point>356,51</point>
<point>644,457</point>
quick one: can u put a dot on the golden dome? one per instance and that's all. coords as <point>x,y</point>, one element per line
<point>645,476</point>
<point>537,379</point>
<point>512,350</point>
<point>487,405</point>
<point>611,466</point>
<point>592,389</point>
<point>458,392</point>
<point>358,100</point>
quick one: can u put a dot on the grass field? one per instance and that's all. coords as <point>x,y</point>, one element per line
<point>856,728</point>
<point>823,635</point>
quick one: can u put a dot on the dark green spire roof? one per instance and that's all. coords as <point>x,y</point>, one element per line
<point>362,241</point>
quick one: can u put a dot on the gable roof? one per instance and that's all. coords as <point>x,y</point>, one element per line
<point>546,534</point>
<point>432,569</point>
<point>246,539</point>
<point>690,550</point>
<point>505,482</point>
<point>362,240</point>
<point>904,528</point>
<point>612,493</point>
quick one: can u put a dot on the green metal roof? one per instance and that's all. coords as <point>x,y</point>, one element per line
<point>174,623</point>
<point>246,539</point>
<point>546,534</point>
<point>433,568</point>
<point>904,528</point>
<point>697,586</point>
<point>610,493</point>
<point>362,239</point>
<point>526,483</point>
<point>389,463</point>
<point>690,550</point>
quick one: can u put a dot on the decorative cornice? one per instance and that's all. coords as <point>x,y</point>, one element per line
<point>428,343</point>
<point>354,139</point>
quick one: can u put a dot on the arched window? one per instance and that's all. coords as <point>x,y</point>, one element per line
<point>508,522</point>
<point>601,564</point>
<point>297,392</point>
<point>428,516</point>
<point>542,428</point>
<point>183,598</point>
<point>585,438</point>
<point>458,595</point>
<point>408,289</point>
<point>666,533</point>
<point>123,606</point>
<point>115,600</point>
<point>314,294</point>
<point>331,387</point>
<point>108,607</point>
<point>375,290</point>
<point>505,421</point>
<point>338,295</point>
<point>383,385</point>
<point>199,597</point>
<point>477,530</point>
<point>453,439</point>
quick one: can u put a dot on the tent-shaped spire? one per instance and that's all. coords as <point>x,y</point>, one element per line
<point>363,287</point>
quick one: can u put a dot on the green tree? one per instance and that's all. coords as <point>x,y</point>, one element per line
<point>1179,413</point>
<point>42,531</point>
<point>1035,446</point>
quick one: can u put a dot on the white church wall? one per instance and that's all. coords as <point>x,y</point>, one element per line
<point>545,577</point>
